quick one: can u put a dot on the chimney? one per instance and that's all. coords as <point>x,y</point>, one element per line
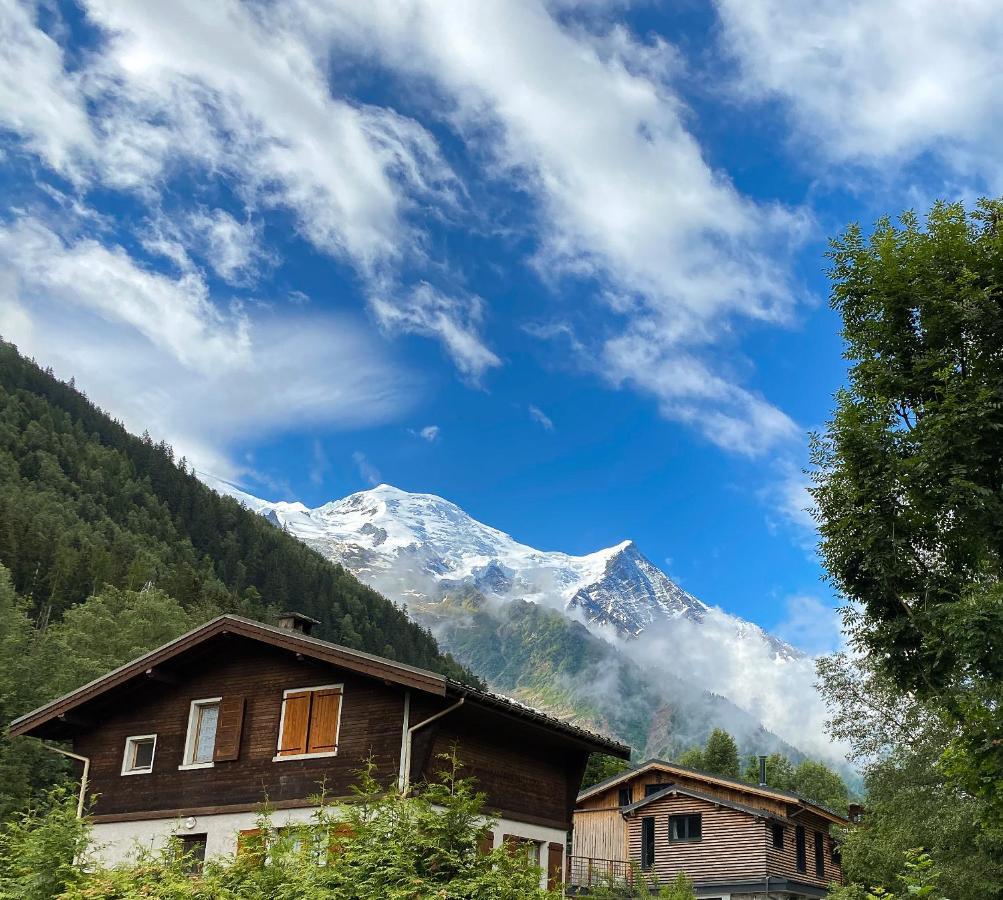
<point>294,621</point>
<point>762,771</point>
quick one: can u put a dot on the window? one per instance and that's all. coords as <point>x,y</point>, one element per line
<point>778,835</point>
<point>647,842</point>
<point>650,789</point>
<point>799,847</point>
<point>624,796</point>
<point>201,742</point>
<point>819,855</point>
<point>309,723</point>
<point>138,758</point>
<point>685,828</point>
<point>192,847</point>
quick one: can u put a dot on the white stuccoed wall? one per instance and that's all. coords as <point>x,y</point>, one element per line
<point>117,842</point>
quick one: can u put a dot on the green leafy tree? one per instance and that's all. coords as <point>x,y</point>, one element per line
<point>43,849</point>
<point>898,742</point>
<point>909,473</point>
<point>600,767</point>
<point>382,846</point>
<point>720,754</point>
<point>108,629</point>
<point>779,771</point>
<point>919,880</point>
<point>692,758</point>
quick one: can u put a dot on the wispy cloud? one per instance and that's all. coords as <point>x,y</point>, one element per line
<point>366,469</point>
<point>455,320</point>
<point>430,433</point>
<point>319,463</point>
<point>811,624</point>
<point>540,417</point>
<point>878,82</point>
<point>159,354</point>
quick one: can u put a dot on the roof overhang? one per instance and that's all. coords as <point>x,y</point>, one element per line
<point>353,660</point>
<point>752,789</point>
<point>408,677</point>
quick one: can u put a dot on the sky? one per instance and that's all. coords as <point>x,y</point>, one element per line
<point>560,263</point>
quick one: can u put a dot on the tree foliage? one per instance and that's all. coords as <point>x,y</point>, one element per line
<point>909,473</point>
<point>720,754</point>
<point>899,740</point>
<point>381,846</point>
<point>85,504</point>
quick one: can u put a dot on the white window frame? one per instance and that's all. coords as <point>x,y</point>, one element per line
<point>282,723</point>
<point>129,742</point>
<point>193,711</point>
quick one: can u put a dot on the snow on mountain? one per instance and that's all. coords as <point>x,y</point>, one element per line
<point>414,548</point>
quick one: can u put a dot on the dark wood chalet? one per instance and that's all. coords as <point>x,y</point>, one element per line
<point>736,841</point>
<point>191,738</point>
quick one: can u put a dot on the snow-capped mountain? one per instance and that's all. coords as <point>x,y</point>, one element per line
<point>415,548</point>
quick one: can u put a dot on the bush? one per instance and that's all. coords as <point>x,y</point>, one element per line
<point>382,846</point>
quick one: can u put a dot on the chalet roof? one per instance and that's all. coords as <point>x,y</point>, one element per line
<point>711,778</point>
<point>315,648</point>
<point>674,789</point>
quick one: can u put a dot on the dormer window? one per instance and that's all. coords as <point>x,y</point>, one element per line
<point>139,751</point>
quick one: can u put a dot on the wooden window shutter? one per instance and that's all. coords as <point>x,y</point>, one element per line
<point>485,843</point>
<point>339,834</point>
<point>323,737</point>
<point>295,723</point>
<point>228,729</point>
<point>250,846</point>
<point>513,843</point>
<point>555,867</point>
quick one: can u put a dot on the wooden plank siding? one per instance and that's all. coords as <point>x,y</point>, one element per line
<point>523,776</point>
<point>732,848</point>
<point>370,724</point>
<point>600,834</point>
<point>527,773</point>
<point>784,862</point>
<point>736,844</point>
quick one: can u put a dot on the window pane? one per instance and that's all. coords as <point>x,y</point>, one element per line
<point>647,842</point>
<point>142,754</point>
<point>205,735</point>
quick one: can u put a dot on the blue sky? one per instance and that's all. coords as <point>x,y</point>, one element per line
<point>560,263</point>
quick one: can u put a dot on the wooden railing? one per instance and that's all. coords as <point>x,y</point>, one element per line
<point>589,872</point>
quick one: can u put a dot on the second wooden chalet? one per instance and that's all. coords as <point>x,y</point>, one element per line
<point>190,739</point>
<point>736,841</point>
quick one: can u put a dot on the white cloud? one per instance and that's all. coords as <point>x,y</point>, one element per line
<point>454,320</point>
<point>319,463</point>
<point>366,469</point>
<point>232,248</point>
<point>811,625</point>
<point>590,127</point>
<point>879,81</point>
<point>793,501</point>
<point>540,417</point>
<point>238,92</point>
<point>745,668</point>
<point>430,433</point>
<point>729,416</point>
<point>38,100</point>
<point>177,316</point>
<point>159,355</point>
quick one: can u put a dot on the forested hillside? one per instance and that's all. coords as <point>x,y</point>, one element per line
<point>83,504</point>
